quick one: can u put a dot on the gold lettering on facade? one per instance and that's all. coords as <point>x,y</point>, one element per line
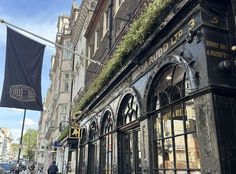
<point>223,47</point>
<point>214,20</point>
<point>212,44</point>
<point>217,45</point>
<point>191,24</point>
<point>177,113</point>
<point>165,47</point>
<point>170,42</point>
<point>218,54</point>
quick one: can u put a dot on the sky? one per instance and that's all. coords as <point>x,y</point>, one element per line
<point>39,17</point>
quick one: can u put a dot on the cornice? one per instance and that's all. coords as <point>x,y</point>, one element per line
<point>79,23</point>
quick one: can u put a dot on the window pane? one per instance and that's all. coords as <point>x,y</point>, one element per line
<point>68,54</point>
<point>166,123</point>
<point>66,86</point>
<point>164,100</point>
<point>178,119</point>
<point>180,152</point>
<point>175,94</point>
<point>157,128</point>
<point>170,172</point>
<point>160,154</point>
<point>178,75</point>
<point>66,76</point>
<point>168,154</point>
<point>195,172</point>
<point>138,153</point>
<point>193,151</point>
<point>191,116</point>
<point>181,172</point>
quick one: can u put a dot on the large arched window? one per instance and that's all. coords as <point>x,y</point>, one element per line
<point>128,110</point>
<point>106,143</point>
<point>92,148</point>
<point>175,143</point>
<point>82,159</point>
<point>129,136</point>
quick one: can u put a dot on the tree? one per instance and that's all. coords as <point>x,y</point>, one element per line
<point>29,143</point>
<point>14,149</point>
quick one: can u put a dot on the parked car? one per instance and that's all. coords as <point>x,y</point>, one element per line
<point>6,167</point>
<point>1,170</point>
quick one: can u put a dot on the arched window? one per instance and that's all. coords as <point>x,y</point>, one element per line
<point>128,110</point>
<point>129,136</point>
<point>106,144</point>
<point>82,159</point>
<point>175,143</point>
<point>92,148</point>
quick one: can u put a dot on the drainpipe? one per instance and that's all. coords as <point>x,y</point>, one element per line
<point>110,6</point>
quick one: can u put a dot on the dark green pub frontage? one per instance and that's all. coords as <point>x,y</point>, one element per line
<point>171,108</point>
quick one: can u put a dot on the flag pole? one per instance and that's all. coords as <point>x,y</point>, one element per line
<point>56,44</point>
<point>21,138</point>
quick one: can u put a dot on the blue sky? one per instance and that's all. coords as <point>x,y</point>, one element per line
<point>39,17</point>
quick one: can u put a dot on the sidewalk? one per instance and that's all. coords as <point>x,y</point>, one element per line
<point>30,172</point>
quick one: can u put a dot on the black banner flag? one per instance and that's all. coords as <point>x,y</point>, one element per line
<point>23,67</point>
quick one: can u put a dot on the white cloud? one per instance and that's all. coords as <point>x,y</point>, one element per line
<point>45,28</point>
<point>29,122</point>
<point>15,134</point>
<point>15,109</point>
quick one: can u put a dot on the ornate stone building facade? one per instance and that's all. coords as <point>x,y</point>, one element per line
<point>55,117</point>
<point>170,106</point>
<point>162,100</point>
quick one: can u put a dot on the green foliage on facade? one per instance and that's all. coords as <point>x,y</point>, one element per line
<point>139,31</point>
<point>63,134</point>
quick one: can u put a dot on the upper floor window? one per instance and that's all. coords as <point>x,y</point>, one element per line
<point>66,86</point>
<point>66,76</point>
<point>105,22</point>
<point>63,109</point>
<point>67,55</point>
<point>95,40</point>
<point>65,83</point>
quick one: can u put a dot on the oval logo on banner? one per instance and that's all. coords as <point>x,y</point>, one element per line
<point>22,93</point>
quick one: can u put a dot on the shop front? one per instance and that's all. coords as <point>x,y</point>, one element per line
<point>172,108</point>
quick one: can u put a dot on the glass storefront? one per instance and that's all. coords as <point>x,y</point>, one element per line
<point>175,143</point>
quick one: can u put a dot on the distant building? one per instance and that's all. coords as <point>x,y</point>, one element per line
<point>55,116</point>
<point>5,144</point>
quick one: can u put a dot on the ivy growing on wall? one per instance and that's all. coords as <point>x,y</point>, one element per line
<point>63,134</point>
<point>139,31</point>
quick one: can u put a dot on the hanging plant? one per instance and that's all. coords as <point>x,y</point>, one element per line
<point>63,134</point>
<point>138,32</point>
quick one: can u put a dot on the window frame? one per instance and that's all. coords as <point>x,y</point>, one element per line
<point>166,112</point>
<point>106,151</point>
<point>68,55</point>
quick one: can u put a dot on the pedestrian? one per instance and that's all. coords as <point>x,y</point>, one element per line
<point>53,168</point>
<point>32,169</point>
